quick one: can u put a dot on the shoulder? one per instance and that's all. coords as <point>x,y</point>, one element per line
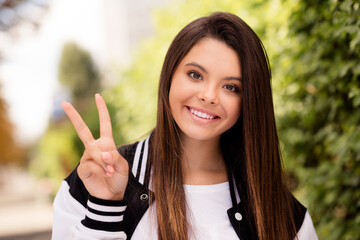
<point>303,223</point>
<point>299,212</point>
<point>307,230</point>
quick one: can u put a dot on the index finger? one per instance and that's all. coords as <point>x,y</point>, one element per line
<point>82,130</point>
<point>104,117</point>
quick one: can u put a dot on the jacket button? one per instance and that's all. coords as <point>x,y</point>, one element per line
<point>238,216</point>
<point>144,197</point>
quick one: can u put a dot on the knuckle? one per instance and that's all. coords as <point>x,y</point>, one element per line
<point>91,144</point>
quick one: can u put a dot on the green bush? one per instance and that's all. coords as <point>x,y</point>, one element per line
<point>320,117</point>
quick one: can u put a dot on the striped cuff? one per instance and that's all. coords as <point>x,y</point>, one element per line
<point>105,215</point>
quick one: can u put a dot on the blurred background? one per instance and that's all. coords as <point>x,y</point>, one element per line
<point>56,50</point>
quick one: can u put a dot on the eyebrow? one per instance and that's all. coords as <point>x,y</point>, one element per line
<point>194,64</point>
<point>197,65</point>
<point>234,78</point>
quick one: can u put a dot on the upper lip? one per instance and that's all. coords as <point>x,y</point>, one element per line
<point>204,111</point>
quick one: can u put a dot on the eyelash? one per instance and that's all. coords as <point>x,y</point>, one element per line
<point>234,88</point>
<point>192,73</point>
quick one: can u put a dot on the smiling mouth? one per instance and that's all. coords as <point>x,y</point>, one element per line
<point>202,114</point>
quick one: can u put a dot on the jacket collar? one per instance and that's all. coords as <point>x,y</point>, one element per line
<point>237,214</point>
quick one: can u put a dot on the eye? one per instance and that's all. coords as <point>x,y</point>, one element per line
<point>195,75</point>
<point>232,88</point>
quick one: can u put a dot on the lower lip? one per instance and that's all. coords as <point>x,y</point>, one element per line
<point>199,119</point>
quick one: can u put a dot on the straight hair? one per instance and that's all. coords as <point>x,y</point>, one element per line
<point>250,148</point>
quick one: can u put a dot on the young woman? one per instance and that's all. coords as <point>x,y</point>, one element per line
<point>211,169</point>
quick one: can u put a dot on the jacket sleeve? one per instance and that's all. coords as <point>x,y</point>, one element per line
<point>98,219</point>
<point>77,215</point>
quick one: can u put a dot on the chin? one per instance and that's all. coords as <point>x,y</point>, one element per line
<point>200,136</point>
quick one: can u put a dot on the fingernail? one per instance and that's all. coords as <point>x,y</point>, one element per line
<point>110,168</point>
<point>64,104</point>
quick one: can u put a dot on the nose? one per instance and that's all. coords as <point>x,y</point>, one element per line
<point>208,94</point>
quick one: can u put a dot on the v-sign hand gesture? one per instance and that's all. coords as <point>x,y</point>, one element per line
<point>102,169</point>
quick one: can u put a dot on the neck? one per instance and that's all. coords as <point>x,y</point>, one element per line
<point>202,162</point>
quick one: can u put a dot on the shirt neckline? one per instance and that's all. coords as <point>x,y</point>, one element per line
<point>206,188</point>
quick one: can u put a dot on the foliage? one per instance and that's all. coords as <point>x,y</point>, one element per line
<point>77,71</point>
<point>319,121</point>
<point>56,154</point>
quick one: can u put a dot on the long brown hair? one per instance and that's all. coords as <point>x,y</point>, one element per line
<point>250,147</point>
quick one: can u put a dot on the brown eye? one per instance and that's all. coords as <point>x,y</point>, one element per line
<point>195,75</point>
<point>231,88</point>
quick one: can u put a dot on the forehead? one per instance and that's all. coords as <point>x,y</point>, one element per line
<point>214,54</point>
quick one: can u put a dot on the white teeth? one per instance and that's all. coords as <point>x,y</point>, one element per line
<point>201,114</point>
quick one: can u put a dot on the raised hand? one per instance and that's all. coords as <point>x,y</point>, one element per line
<point>102,169</point>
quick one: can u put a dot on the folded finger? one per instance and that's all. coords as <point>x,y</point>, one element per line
<point>89,168</point>
<point>119,163</point>
<point>93,154</point>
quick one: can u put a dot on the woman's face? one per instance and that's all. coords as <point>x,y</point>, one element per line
<point>205,92</point>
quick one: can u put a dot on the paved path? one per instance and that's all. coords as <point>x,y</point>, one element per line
<point>25,208</point>
<point>29,236</point>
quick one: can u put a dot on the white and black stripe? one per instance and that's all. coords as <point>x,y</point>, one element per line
<point>101,213</point>
<point>140,160</point>
<point>135,164</point>
<point>105,213</point>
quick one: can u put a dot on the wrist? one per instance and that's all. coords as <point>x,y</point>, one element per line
<point>117,197</point>
<point>109,198</point>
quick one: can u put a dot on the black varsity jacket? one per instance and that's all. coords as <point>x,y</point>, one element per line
<point>77,215</point>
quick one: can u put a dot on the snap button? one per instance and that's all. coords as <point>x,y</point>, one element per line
<point>144,197</point>
<point>238,216</point>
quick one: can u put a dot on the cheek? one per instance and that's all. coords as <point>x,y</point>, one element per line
<point>179,92</point>
<point>174,96</point>
<point>173,90</point>
<point>233,109</point>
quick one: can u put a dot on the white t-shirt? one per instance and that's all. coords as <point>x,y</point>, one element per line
<point>207,211</point>
<point>207,214</point>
